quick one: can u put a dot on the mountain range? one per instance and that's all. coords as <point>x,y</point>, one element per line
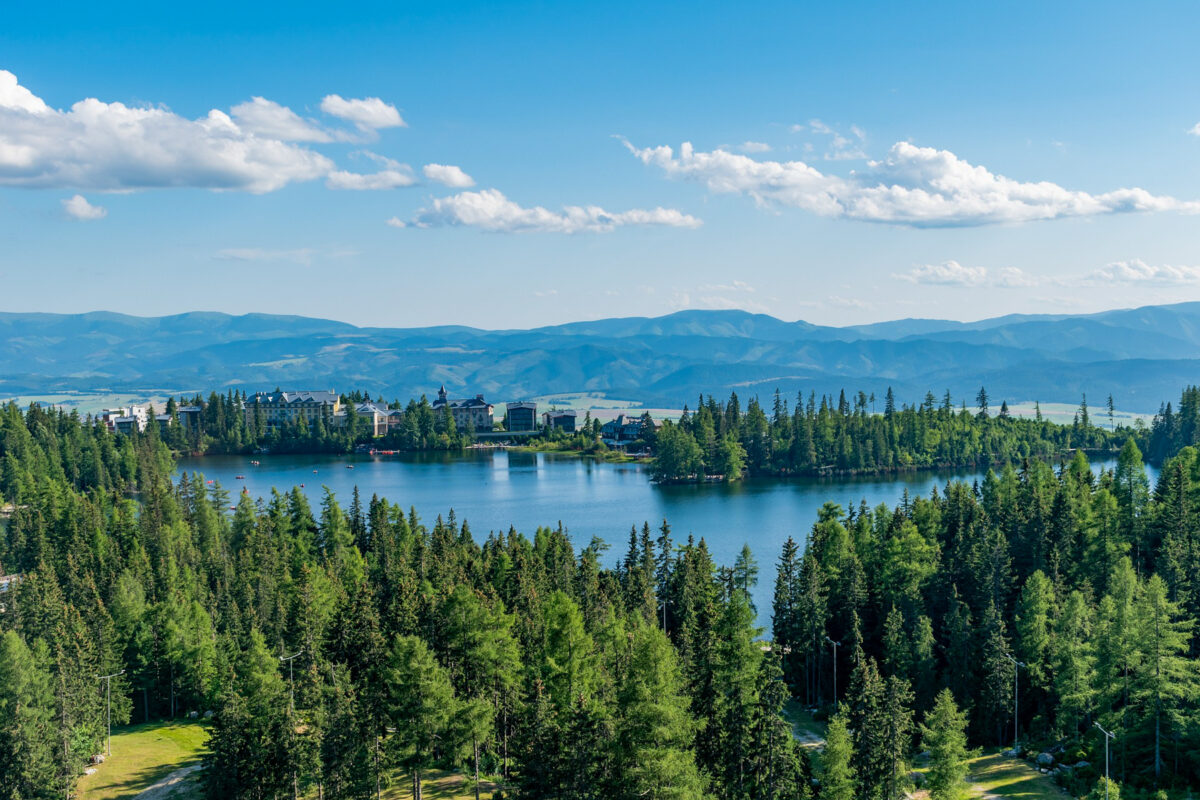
<point>1142,356</point>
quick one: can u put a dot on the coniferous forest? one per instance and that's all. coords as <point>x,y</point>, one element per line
<point>555,670</point>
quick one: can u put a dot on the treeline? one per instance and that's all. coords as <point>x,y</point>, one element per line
<point>224,426</point>
<point>1174,428</point>
<point>1091,582</point>
<point>412,646</point>
<point>846,436</point>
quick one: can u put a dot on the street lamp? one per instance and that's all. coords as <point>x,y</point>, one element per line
<point>835,647</point>
<point>1016,695</point>
<point>291,685</point>
<point>1107,738</point>
<point>108,702</point>
<point>292,712</point>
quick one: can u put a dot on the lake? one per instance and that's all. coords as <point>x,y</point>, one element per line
<point>493,489</point>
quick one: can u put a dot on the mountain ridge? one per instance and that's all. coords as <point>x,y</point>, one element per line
<point>1143,356</point>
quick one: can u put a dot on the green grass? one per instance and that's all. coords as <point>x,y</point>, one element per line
<point>143,755</point>
<point>996,775</point>
<point>437,785</point>
<point>807,730</point>
<point>1064,413</point>
<point>89,402</point>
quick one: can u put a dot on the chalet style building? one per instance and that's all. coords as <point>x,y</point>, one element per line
<point>623,430</point>
<point>278,408</point>
<point>473,414</point>
<point>375,417</point>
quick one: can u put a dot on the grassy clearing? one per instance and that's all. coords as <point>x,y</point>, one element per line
<point>807,730</point>
<point>997,776</point>
<point>143,755</point>
<point>89,402</point>
<point>1064,413</point>
<point>437,785</point>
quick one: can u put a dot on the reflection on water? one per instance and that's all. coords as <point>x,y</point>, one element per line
<point>493,489</point>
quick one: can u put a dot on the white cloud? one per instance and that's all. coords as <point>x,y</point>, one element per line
<point>15,96</point>
<point>394,175</point>
<point>113,147</point>
<point>490,210</point>
<point>368,113</point>
<point>302,255</point>
<point>79,208</point>
<point>952,273</point>
<point>1138,271</point>
<point>754,147</point>
<point>948,273</point>
<point>267,118</point>
<point>915,186</point>
<point>1195,130</point>
<point>448,175</point>
<point>391,178</point>
<point>841,147</point>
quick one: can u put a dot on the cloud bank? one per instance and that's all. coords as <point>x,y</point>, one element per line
<point>490,210</point>
<point>913,186</point>
<point>1138,271</point>
<point>952,273</point>
<point>256,147</point>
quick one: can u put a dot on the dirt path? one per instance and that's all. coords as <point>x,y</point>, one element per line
<point>169,787</point>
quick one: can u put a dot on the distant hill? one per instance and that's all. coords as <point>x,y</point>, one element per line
<point>1141,356</point>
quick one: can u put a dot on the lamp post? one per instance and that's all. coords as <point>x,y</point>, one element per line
<point>291,713</point>
<point>1107,738</point>
<point>835,647</point>
<point>1016,696</point>
<point>291,685</point>
<point>108,703</point>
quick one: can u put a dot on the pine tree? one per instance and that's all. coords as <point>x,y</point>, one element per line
<point>944,735</point>
<point>654,730</point>
<point>27,740</point>
<point>837,761</point>
<point>1166,679</point>
<point>1074,662</point>
<point>420,704</point>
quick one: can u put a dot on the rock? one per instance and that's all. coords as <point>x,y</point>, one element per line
<point>1044,771</point>
<point>208,714</point>
<point>98,758</point>
<point>1045,760</point>
<point>1082,765</point>
<point>193,715</point>
<point>90,771</point>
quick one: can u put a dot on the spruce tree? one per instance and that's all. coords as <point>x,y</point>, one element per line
<point>27,741</point>
<point>944,735</point>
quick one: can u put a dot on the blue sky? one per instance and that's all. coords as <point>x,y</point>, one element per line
<point>505,164</point>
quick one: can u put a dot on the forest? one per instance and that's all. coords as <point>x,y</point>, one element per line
<point>845,436</point>
<point>722,441</point>
<point>718,440</point>
<point>561,672</point>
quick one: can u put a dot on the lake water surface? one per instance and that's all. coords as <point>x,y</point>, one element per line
<point>493,489</point>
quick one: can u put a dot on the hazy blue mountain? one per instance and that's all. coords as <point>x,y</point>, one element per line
<point>1142,356</point>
